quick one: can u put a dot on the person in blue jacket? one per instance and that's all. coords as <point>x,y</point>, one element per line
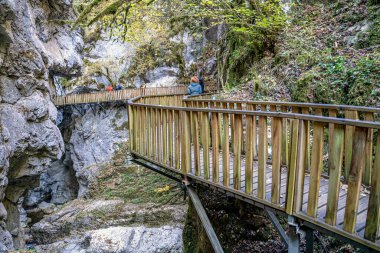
<point>194,88</point>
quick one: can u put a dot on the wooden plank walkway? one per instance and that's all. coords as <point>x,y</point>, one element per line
<point>322,193</point>
<point>120,95</point>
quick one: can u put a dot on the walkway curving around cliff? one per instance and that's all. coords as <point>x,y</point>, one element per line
<point>316,164</point>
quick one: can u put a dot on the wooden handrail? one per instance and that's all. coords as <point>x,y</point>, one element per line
<point>291,104</point>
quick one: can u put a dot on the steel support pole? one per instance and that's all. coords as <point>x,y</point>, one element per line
<point>293,235</point>
<point>309,240</point>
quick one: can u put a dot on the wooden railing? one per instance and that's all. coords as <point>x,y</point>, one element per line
<point>240,147</point>
<point>120,95</point>
<point>328,110</point>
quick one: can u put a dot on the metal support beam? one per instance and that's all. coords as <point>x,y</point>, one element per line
<point>293,235</point>
<point>309,240</point>
<point>156,169</point>
<point>277,225</point>
<point>205,221</point>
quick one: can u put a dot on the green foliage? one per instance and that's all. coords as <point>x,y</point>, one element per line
<point>155,54</point>
<point>136,185</point>
<point>324,56</point>
<point>250,30</point>
<point>340,80</point>
<point>374,33</point>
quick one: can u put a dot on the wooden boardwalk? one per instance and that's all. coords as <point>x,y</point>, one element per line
<point>120,95</point>
<point>317,164</point>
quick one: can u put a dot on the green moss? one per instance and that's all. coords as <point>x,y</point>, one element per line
<point>374,32</point>
<point>155,54</point>
<point>135,184</point>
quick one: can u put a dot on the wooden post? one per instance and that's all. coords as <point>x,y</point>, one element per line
<point>154,128</point>
<point>215,146</point>
<point>205,128</point>
<point>300,168</point>
<point>332,114</point>
<point>373,215</point>
<point>186,153</point>
<point>170,133</point>
<point>348,142</point>
<point>237,150</point>
<point>226,149</point>
<point>177,140</point>
<point>276,159</point>
<point>335,167</point>
<point>165,136</point>
<point>315,169</point>
<point>159,135</point>
<point>291,179</point>
<point>305,110</point>
<point>263,156</point>
<point>250,131</point>
<point>355,178</point>
<point>368,151</point>
<point>196,144</point>
<point>131,129</point>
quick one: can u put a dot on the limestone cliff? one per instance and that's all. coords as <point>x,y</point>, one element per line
<point>35,44</point>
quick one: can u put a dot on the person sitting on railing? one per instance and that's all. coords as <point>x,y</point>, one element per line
<point>109,88</point>
<point>194,87</point>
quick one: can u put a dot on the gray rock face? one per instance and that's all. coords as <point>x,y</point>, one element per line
<point>110,226</point>
<point>94,135</point>
<point>121,240</point>
<point>162,77</point>
<point>33,47</point>
<point>166,239</point>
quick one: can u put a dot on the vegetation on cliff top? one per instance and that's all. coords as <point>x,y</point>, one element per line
<point>327,53</point>
<point>316,52</point>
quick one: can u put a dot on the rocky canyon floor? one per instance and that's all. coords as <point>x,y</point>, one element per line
<point>128,208</point>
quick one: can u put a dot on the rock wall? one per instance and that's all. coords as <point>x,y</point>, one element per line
<point>92,135</point>
<point>35,44</point>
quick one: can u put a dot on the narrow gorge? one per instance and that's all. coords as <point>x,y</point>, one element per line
<point>68,182</point>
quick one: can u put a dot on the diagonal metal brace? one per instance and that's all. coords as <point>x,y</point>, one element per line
<point>205,221</point>
<point>279,228</point>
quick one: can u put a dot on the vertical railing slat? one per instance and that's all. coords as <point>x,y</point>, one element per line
<point>185,151</point>
<point>277,133</point>
<point>205,131</point>
<point>373,215</point>
<point>291,179</point>
<point>165,136</point>
<point>262,155</point>
<point>250,145</point>
<point>300,167</point>
<point>237,126</point>
<point>226,148</point>
<point>177,140</point>
<point>170,135</point>
<point>336,140</point>
<point>348,142</point>
<point>196,144</point>
<point>315,168</point>
<point>215,146</point>
<point>368,116</point>
<point>355,178</point>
